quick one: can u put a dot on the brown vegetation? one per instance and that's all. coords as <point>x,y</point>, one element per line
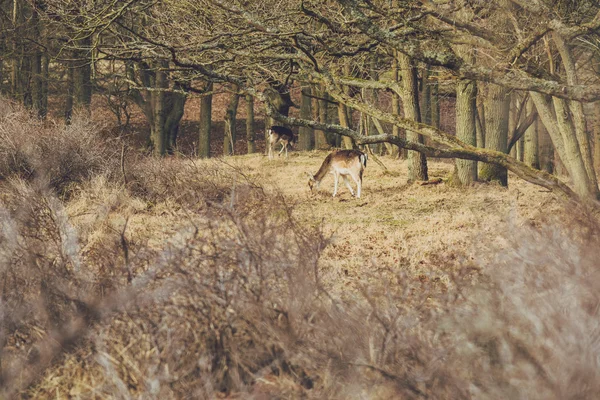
<point>218,278</point>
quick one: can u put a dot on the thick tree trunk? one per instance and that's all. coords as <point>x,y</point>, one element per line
<point>250,132</point>
<point>205,122</point>
<point>230,120</point>
<point>496,104</point>
<point>175,103</point>
<point>417,163</point>
<point>320,137</point>
<point>159,108</point>
<point>466,131</point>
<point>306,135</point>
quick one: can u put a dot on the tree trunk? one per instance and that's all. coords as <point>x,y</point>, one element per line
<point>306,135</point>
<point>345,113</point>
<point>531,146</point>
<point>560,128</point>
<point>175,104</point>
<point>83,74</point>
<point>466,131</point>
<point>496,104</point>
<point>546,149</point>
<point>577,113</point>
<point>417,163</point>
<point>70,92</point>
<point>426,96</point>
<point>320,137</point>
<point>158,133</point>
<point>205,122</point>
<point>250,132</point>
<point>230,120</point>
<point>596,133</point>
<point>396,151</point>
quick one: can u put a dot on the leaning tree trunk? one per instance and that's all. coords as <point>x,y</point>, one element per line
<point>306,136</point>
<point>250,132</point>
<point>417,163</point>
<point>577,113</point>
<point>230,120</point>
<point>496,105</point>
<point>205,122</point>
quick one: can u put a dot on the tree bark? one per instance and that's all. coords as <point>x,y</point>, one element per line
<point>396,152</point>
<point>205,122</point>
<point>83,73</point>
<point>306,135</point>
<point>70,93</point>
<point>546,149</point>
<point>496,104</point>
<point>230,120</point>
<point>250,132</point>
<point>466,131</point>
<point>158,133</point>
<point>417,163</point>
<point>320,137</point>
<point>531,146</point>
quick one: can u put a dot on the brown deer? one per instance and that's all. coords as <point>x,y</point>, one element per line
<point>344,163</point>
<point>283,135</point>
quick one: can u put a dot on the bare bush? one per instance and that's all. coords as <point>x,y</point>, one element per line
<point>59,155</point>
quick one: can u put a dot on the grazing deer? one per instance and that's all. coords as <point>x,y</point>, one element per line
<point>283,135</point>
<point>344,163</point>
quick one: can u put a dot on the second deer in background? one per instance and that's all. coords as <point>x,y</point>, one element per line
<point>283,135</point>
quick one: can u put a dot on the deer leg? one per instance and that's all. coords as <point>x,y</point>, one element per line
<point>358,182</point>
<point>348,184</point>
<point>335,183</point>
<point>283,146</point>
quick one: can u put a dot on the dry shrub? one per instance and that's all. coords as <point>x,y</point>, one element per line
<point>59,155</point>
<point>235,304</point>
<point>189,183</point>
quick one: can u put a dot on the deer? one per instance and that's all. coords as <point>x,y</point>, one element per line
<point>283,135</point>
<point>344,163</point>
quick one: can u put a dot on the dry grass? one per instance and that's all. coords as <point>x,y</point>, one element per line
<point>227,279</point>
